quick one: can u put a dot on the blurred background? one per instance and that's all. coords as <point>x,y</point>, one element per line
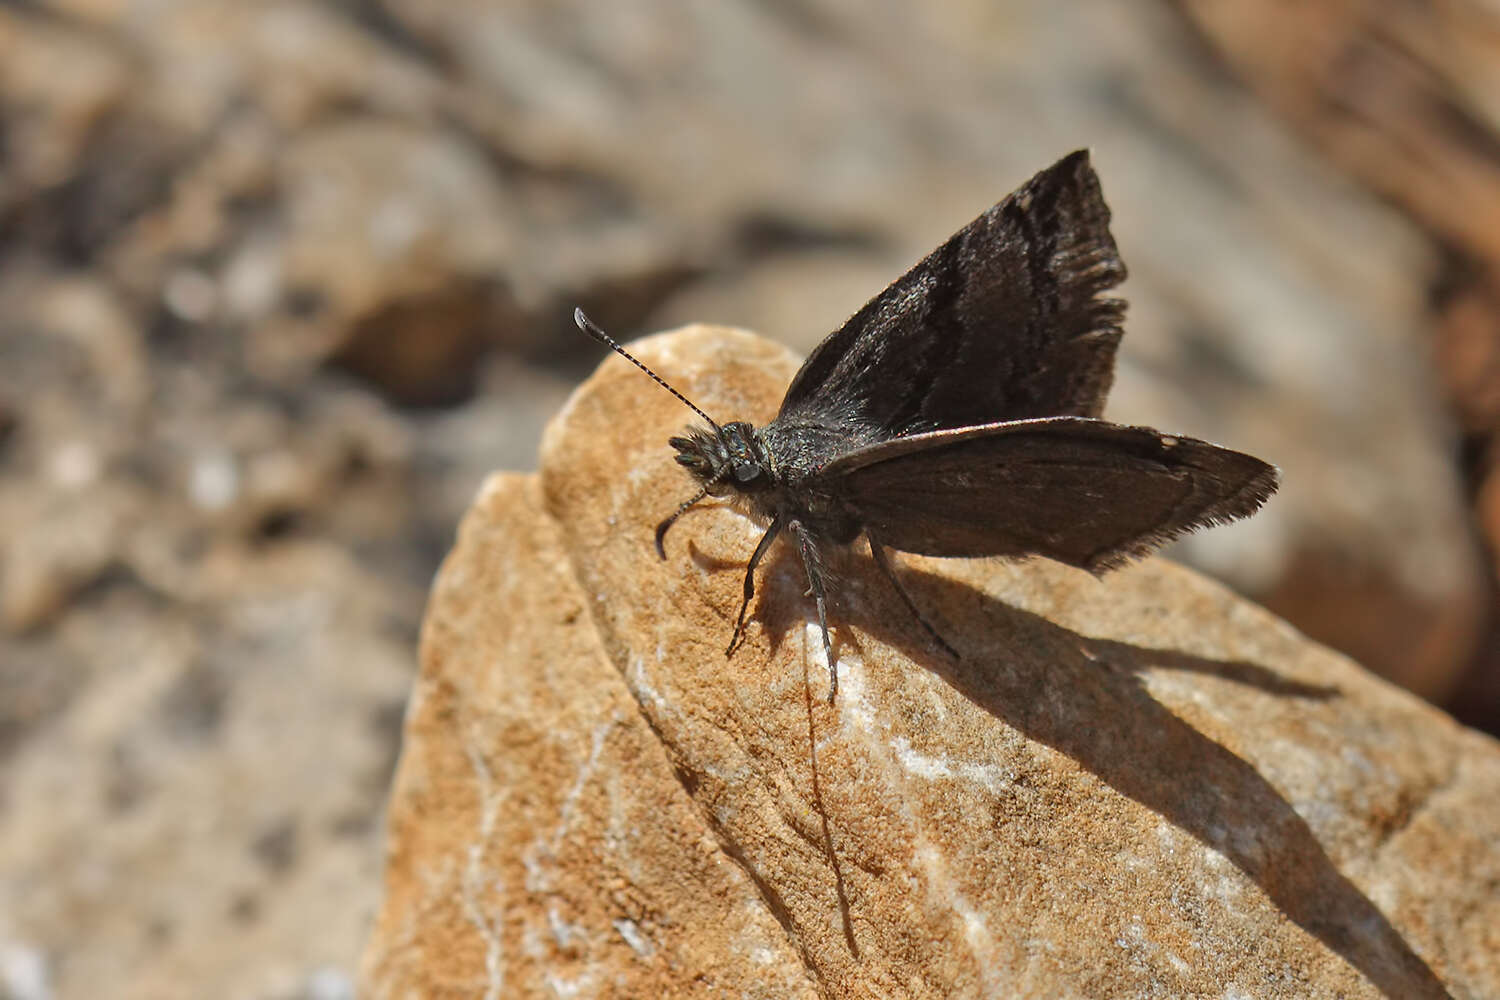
<point>281,281</point>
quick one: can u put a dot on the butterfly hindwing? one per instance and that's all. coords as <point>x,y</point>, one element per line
<point>956,414</point>
<point>1085,492</point>
<point>1004,321</point>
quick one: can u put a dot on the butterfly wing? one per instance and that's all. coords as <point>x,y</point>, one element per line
<point>1085,492</point>
<point>1004,321</point>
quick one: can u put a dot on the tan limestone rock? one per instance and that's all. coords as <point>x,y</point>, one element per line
<point>1136,786</point>
<point>540,842</point>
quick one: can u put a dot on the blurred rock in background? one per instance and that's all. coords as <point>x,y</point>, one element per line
<point>280,282</point>
<point>1405,99</point>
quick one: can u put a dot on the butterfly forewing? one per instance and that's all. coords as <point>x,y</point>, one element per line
<point>1084,492</point>
<point>1014,295</point>
<point>956,415</point>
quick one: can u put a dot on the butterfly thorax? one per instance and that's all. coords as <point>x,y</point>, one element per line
<point>768,472</point>
<point>800,450</point>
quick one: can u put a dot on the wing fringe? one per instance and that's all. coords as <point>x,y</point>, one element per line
<point>1243,502</point>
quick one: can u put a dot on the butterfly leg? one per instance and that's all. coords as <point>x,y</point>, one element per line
<point>760,551</point>
<point>883,561</point>
<point>812,562</point>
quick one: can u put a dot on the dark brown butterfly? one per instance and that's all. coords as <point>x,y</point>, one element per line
<point>957,414</point>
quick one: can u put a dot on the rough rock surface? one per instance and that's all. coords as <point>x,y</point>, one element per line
<point>1406,98</point>
<point>207,604</point>
<point>1143,786</point>
<point>282,282</point>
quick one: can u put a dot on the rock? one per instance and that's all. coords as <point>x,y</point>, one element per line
<point>410,191</point>
<point>1407,103</point>
<point>540,837</point>
<point>69,543</point>
<point>1138,786</point>
<point>200,804</point>
<point>220,209</point>
<point>209,591</point>
<point>74,358</point>
<point>1404,100</point>
<point>398,236</point>
<point>54,114</point>
<point>1252,320</point>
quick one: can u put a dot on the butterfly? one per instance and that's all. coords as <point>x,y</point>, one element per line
<point>957,414</point>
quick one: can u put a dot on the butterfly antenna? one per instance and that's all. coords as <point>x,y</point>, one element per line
<point>591,328</point>
<point>661,529</point>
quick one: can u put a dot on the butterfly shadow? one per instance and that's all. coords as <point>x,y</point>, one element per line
<point>1085,697</point>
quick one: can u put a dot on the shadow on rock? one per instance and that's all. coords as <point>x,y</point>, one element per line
<point>1084,697</point>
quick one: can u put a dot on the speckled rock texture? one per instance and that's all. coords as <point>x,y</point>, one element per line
<point>282,282</point>
<point>1136,786</point>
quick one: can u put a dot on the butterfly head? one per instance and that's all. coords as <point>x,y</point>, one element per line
<point>727,459</point>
